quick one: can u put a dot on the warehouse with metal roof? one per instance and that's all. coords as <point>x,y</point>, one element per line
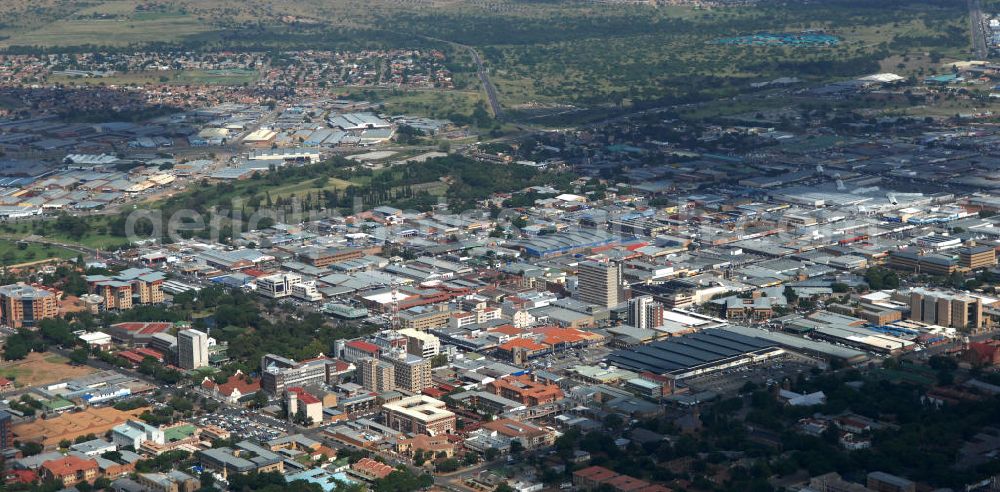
<point>696,354</point>
<point>803,345</point>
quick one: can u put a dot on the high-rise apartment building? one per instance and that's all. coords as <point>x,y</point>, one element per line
<point>377,375</point>
<point>192,349</point>
<point>644,312</point>
<point>128,287</point>
<point>412,372</point>
<point>599,283</point>
<point>25,305</point>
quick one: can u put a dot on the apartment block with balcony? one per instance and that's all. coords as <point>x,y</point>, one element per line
<point>23,305</point>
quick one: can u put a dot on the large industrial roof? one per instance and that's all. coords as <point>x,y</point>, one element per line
<point>682,353</point>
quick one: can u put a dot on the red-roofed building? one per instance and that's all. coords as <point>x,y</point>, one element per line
<point>525,389</point>
<point>508,330</point>
<point>70,470</point>
<point>528,435</point>
<point>520,350</point>
<point>6,385</point>
<point>592,477</point>
<point>335,371</point>
<point>625,483</point>
<point>595,477</point>
<point>238,386</point>
<point>371,470</point>
<point>636,245</point>
<point>132,357</point>
<point>558,338</point>
<point>148,352</point>
<point>983,353</point>
<point>655,488</point>
<point>15,477</point>
<point>356,350</point>
<point>303,405</point>
<point>434,392</point>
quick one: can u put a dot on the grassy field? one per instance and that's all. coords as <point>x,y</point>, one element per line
<point>12,254</point>
<point>97,236</point>
<point>307,187</point>
<point>435,104</point>
<point>175,77</point>
<point>110,32</point>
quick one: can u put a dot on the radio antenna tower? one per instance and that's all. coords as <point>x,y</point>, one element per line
<point>394,307</point>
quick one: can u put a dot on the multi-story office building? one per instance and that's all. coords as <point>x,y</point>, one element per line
<point>599,283</point>
<point>946,309</point>
<point>25,305</point>
<point>6,430</point>
<point>306,291</point>
<point>674,294</point>
<point>277,286</point>
<point>913,260</point>
<point>419,414</point>
<point>974,257</point>
<point>279,373</point>
<point>420,343</point>
<point>128,287</point>
<point>412,372</point>
<point>644,312</point>
<point>424,318</point>
<point>323,258</point>
<point>377,375</point>
<point>477,316</point>
<point>192,349</point>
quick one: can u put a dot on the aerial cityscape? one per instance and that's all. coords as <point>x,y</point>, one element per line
<point>504,246</point>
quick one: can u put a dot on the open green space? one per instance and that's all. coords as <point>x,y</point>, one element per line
<point>13,253</point>
<point>94,231</point>
<point>176,77</point>
<point>109,32</point>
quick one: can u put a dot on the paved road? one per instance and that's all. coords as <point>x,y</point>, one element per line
<point>481,72</point>
<point>977,25</point>
<point>484,77</point>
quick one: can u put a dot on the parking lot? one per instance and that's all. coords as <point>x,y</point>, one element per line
<point>730,381</point>
<point>260,427</point>
<point>570,357</point>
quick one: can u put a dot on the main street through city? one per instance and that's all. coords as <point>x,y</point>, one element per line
<point>977,24</point>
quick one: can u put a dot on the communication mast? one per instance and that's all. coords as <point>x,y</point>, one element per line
<point>394,307</point>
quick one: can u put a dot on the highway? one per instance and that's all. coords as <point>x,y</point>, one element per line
<point>484,77</point>
<point>481,72</point>
<point>977,25</point>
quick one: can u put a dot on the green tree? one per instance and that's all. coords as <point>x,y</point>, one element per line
<point>79,356</point>
<point>447,466</point>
